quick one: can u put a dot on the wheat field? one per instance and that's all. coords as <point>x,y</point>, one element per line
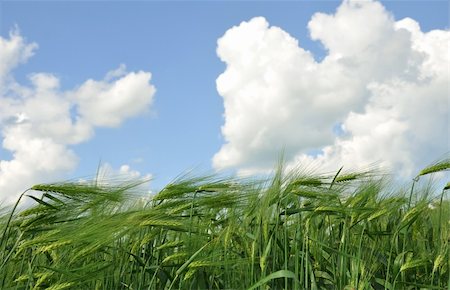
<point>292,230</point>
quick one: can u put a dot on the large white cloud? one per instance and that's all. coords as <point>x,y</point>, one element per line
<point>40,122</point>
<point>383,85</point>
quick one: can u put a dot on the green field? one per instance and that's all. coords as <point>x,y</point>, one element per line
<point>293,230</point>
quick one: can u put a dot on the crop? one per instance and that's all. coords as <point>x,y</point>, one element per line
<point>293,230</point>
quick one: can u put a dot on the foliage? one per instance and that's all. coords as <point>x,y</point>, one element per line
<point>296,230</point>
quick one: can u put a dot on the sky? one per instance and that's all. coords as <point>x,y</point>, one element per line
<point>152,89</point>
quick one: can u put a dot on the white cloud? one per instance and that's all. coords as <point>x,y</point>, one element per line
<point>14,51</point>
<point>34,160</point>
<point>384,81</point>
<point>107,104</point>
<point>124,172</point>
<point>117,73</point>
<point>39,123</point>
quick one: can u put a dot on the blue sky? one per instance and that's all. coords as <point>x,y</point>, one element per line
<point>176,41</point>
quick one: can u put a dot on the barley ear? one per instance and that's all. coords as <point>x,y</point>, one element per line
<point>441,165</point>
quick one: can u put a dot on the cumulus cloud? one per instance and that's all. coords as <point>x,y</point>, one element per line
<point>107,104</point>
<point>40,122</point>
<point>380,94</point>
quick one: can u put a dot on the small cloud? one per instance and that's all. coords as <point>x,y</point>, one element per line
<point>126,171</point>
<point>107,175</point>
<point>109,103</point>
<point>117,73</point>
<point>14,51</point>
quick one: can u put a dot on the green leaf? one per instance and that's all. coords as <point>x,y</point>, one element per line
<point>275,275</point>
